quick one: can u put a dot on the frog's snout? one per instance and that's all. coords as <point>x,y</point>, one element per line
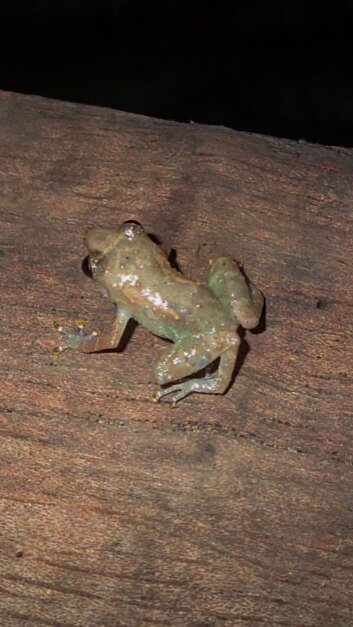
<point>100,240</point>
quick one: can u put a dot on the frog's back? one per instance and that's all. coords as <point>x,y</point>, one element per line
<point>176,307</point>
<point>139,276</point>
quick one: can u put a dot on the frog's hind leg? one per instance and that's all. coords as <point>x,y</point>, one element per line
<point>180,366</point>
<point>236,292</point>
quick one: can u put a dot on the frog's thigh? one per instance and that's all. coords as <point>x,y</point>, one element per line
<point>189,355</point>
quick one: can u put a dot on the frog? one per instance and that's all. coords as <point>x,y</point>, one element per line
<point>200,320</point>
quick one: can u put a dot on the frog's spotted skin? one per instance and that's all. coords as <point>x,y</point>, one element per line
<point>134,273</point>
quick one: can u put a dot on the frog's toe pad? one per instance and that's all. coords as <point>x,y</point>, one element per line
<point>73,339</point>
<point>208,384</point>
<point>182,389</point>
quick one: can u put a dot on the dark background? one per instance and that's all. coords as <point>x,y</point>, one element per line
<point>283,69</point>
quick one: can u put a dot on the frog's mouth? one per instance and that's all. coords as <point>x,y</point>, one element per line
<point>100,240</point>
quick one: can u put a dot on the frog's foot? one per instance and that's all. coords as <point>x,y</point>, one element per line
<point>74,340</point>
<point>209,385</point>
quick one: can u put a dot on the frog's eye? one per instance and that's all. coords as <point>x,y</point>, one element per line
<point>132,228</point>
<point>93,262</point>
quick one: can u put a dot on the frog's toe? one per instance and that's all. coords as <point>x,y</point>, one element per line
<point>73,339</point>
<point>209,384</point>
<point>182,389</point>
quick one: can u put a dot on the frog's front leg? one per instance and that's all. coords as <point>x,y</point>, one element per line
<point>95,341</point>
<point>190,355</point>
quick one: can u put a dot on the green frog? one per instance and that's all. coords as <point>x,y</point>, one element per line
<point>200,320</point>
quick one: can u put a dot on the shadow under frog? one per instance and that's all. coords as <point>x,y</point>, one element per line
<point>201,320</point>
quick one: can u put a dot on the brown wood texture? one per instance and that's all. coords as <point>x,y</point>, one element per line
<point>227,510</point>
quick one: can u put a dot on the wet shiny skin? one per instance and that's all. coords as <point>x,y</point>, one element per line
<point>135,274</point>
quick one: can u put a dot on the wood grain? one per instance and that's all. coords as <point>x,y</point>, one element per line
<point>227,510</point>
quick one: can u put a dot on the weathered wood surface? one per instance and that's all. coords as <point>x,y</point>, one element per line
<point>232,510</point>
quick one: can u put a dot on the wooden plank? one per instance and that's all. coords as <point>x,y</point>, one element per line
<point>117,525</point>
<point>232,509</point>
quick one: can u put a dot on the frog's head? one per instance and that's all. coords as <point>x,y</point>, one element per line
<point>107,246</point>
<point>100,241</point>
